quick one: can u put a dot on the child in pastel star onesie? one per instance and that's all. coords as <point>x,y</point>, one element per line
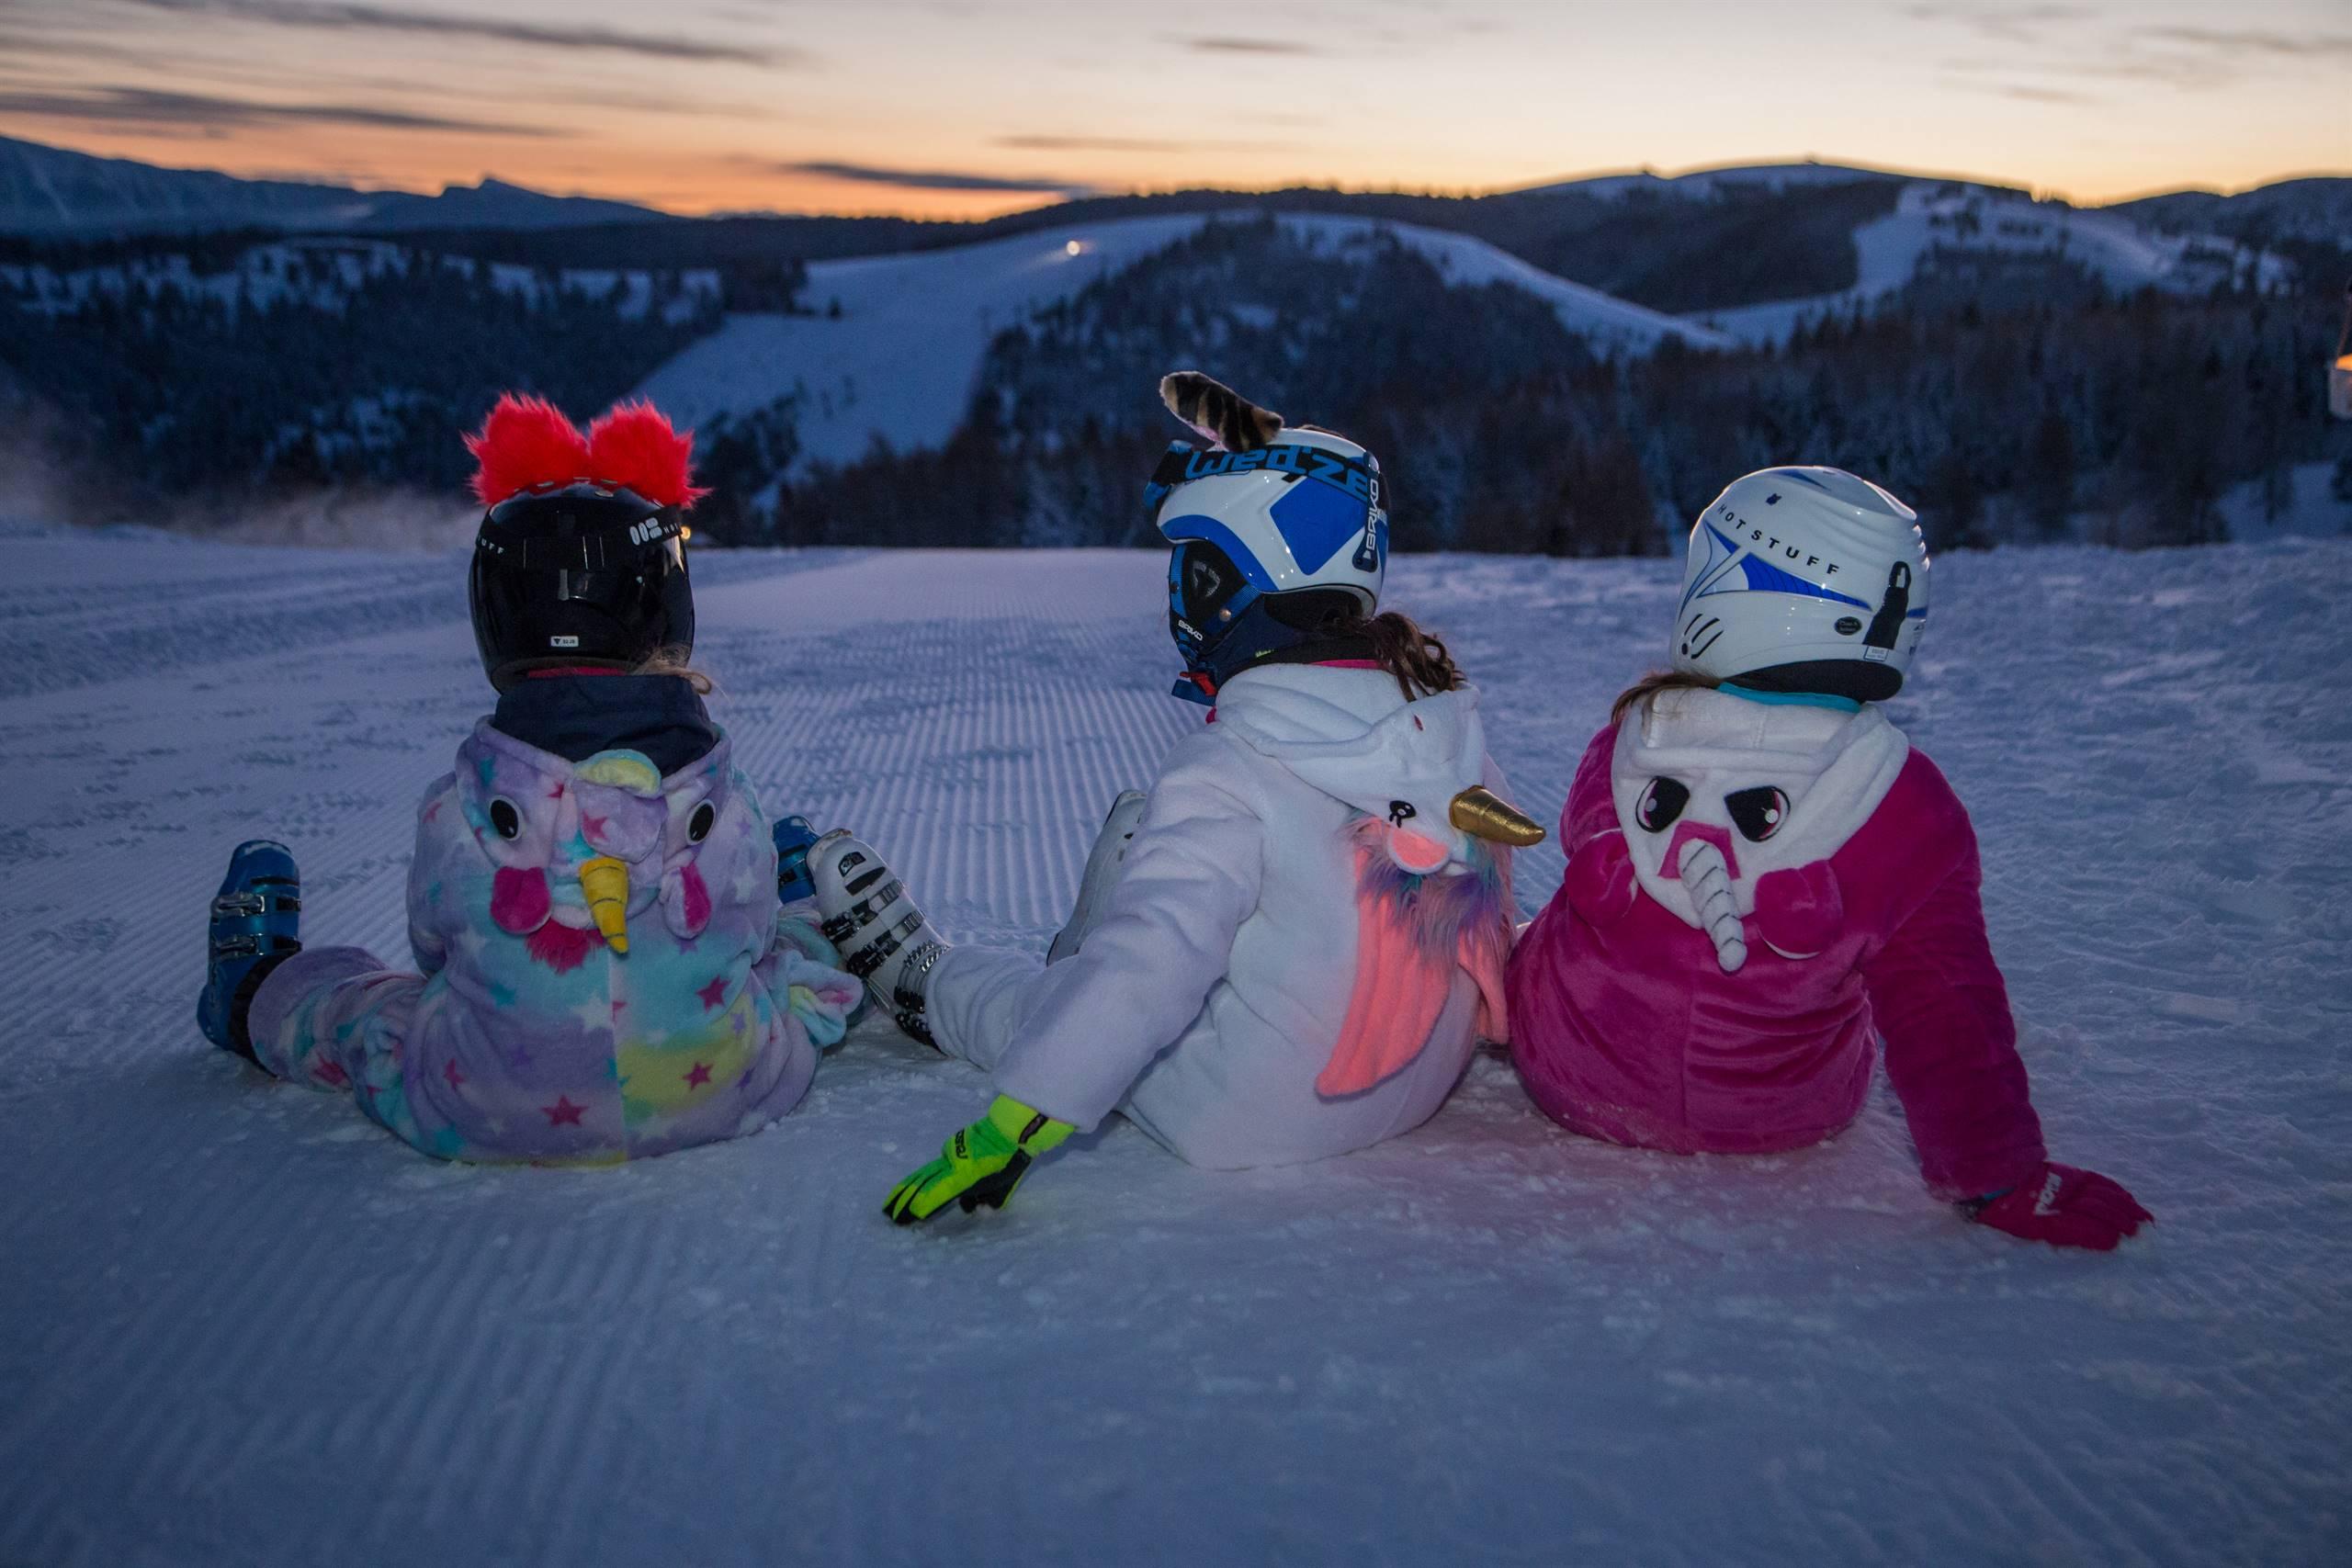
<point>603,969</point>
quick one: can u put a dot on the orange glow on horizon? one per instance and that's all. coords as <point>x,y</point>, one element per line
<point>908,108</point>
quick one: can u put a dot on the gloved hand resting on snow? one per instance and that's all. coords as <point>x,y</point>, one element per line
<point>2064,1207</point>
<point>981,1164</point>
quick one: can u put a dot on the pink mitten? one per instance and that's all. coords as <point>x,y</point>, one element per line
<point>2064,1207</point>
<point>1600,881</point>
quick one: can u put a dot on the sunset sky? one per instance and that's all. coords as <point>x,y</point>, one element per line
<point>961,108</point>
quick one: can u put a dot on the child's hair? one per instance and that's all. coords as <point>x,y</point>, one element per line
<point>676,660</point>
<point>1420,661</point>
<point>1650,685</point>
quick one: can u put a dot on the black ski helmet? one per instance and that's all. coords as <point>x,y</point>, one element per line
<point>579,576</point>
<point>580,560</point>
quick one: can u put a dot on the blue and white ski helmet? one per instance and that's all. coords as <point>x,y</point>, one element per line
<point>1264,540</point>
<point>1804,579</point>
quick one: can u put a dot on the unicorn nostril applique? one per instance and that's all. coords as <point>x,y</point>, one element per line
<point>1417,852</point>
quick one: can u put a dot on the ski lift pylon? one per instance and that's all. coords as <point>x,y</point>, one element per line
<point>2339,375</point>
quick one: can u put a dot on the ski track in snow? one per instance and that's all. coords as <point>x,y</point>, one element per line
<point>245,1327</point>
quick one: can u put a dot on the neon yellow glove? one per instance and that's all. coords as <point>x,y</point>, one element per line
<point>981,1164</point>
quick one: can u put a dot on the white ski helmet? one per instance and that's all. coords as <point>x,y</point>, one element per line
<point>1804,579</point>
<point>1269,528</point>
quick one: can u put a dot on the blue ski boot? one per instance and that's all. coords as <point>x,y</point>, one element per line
<point>793,837</point>
<point>256,926</point>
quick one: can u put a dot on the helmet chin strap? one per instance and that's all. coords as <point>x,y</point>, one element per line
<point>1196,686</point>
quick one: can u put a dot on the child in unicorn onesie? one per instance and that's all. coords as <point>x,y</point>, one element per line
<point>602,972</point>
<point>1765,878</point>
<point>1289,948</point>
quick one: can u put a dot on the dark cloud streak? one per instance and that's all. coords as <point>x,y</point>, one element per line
<point>1137,144</point>
<point>2246,40</point>
<point>2009,24</point>
<point>344,18</point>
<point>1249,46</point>
<point>934,179</point>
<point>141,106</point>
<point>2025,92</point>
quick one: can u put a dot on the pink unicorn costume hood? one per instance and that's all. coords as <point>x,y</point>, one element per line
<point>1756,896</point>
<point>1832,769</point>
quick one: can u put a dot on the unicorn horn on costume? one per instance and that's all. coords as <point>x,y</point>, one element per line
<point>603,881</point>
<point>1481,813</point>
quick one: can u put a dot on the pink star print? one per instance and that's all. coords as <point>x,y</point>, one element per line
<point>563,1113</point>
<point>593,826</point>
<point>699,1076</point>
<point>328,1073</point>
<point>713,993</point>
<point>555,791</point>
<point>449,1070</point>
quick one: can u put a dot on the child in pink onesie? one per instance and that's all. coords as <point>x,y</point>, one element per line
<point>1764,878</point>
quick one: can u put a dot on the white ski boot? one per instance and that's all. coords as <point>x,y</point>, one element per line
<point>883,938</point>
<point>1103,863</point>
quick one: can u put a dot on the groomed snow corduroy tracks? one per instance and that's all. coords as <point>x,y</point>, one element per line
<point>242,1326</point>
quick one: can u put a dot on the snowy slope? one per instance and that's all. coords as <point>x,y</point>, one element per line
<point>1928,216</point>
<point>245,1328</point>
<point>898,364</point>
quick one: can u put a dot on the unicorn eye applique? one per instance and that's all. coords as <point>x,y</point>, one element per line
<point>1758,812</point>
<point>506,819</point>
<point>1661,803</point>
<point>698,825</point>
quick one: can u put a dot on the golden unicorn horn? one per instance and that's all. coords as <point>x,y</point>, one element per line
<point>1483,814</point>
<point>603,881</point>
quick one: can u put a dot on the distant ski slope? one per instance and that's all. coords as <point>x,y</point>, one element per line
<point>244,1327</point>
<point>898,365</point>
<point>2116,249</point>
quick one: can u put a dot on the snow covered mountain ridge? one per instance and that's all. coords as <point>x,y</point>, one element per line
<point>896,361</point>
<point>1940,224</point>
<point>57,192</point>
<point>54,192</point>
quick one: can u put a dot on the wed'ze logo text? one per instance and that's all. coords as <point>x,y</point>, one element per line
<point>1309,462</point>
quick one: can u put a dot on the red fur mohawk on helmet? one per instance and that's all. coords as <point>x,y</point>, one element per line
<point>528,444</point>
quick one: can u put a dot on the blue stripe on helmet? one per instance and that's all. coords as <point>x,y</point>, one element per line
<point>1760,576</point>
<point>1763,577</point>
<point>1717,561</point>
<point>1318,522</point>
<point>1199,525</point>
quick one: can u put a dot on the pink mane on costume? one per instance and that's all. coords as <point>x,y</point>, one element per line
<point>1412,933</point>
